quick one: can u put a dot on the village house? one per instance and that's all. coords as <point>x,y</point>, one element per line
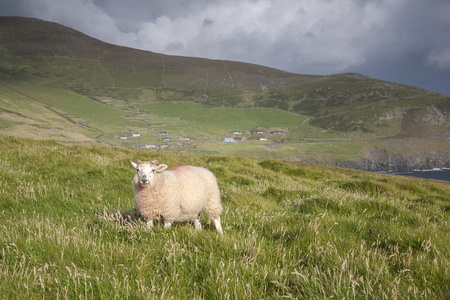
<point>162,133</point>
<point>185,138</point>
<point>229,140</point>
<point>150,146</point>
<point>257,131</point>
<point>276,132</point>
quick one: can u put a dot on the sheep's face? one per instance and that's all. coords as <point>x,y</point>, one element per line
<point>146,169</point>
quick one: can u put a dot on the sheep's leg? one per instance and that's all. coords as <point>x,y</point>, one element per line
<point>218,226</point>
<point>150,223</point>
<point>167,224</point>
<point>197,223</point>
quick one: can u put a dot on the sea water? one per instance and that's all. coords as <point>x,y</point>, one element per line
<point>437,174</point>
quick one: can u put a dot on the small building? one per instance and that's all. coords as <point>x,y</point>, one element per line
<point>263,139</point>
<point>136,134</point>
<point>166,139</point>
<point>257,131</point>
<point>236,132</point>
<point>123,138</point>
<point>277,132</point>
<point>162,133</point>
<point>229,140</point>
<point>185,138</point>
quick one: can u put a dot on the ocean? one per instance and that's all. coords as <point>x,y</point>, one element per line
<point>437,174</point>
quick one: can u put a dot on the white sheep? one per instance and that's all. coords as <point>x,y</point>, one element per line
<point>179,194</point>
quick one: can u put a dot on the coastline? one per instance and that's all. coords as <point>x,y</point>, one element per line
<point>434,174</point>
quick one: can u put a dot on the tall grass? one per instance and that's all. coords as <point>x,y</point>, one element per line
<point>292,230</point>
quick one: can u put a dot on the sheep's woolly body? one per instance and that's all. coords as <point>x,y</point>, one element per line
<point>179,194</point>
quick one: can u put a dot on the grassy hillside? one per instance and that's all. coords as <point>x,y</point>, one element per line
<point>57,83</point>
<point>292,230</point>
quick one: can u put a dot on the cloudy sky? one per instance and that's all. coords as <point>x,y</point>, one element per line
<point>405,41</point>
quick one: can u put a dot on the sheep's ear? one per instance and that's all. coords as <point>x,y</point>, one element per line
<point>155,162</point>
<point>134,164</point>
<point>160,168</point>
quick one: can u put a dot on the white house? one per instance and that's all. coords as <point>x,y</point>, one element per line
<point>229,140</point>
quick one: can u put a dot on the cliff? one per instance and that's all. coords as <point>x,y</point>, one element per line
<point>376,159</point>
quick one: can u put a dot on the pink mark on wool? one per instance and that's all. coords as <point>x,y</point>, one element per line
<point>155,213</point>
<point>180,169</point>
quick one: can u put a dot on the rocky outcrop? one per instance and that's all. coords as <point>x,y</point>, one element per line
<point>376,159</point>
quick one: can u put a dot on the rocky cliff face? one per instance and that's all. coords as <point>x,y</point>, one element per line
<point>376,159</point>
<point>422,143</point>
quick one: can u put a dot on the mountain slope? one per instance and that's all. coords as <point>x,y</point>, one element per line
<point>33,37</point>
<point>103,92</point>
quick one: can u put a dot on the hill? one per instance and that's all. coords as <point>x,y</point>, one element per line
<point>292,230</point>
<point>27,37</point>
<point>57,83</point>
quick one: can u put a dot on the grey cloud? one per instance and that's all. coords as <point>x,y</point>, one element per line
<point>207,22</point>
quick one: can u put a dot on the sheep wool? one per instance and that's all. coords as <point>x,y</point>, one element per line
<point>176,195</point>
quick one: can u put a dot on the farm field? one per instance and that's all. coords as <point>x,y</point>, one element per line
<point>78,106</point>
<point>218,122</point>
<point>342,151</point>
<point>229,118</point>
<point>111,119</point>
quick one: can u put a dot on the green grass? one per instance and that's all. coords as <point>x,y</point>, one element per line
<point>292,230</point>
<point>77,105</point>
<point>224,119</point>
<point>5,123</point>
<point>136,78</point>
<point>26,117</point>
<point>339,151</point>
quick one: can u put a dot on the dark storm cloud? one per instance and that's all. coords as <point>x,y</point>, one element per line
<point>406,41</point>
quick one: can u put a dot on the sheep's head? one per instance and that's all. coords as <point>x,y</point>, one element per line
<point>146,169</point>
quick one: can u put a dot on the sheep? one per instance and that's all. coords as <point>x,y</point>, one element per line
<point>175,195</point>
